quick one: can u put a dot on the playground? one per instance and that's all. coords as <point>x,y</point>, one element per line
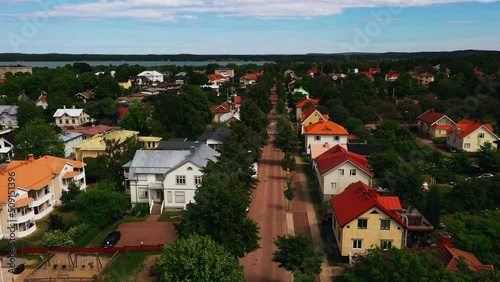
<point>70,266</point>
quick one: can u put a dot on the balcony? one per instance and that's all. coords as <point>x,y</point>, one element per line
<point>155,185</point>
<point>20,218</point>
<point>43,213</point>
<point>41,200</point>
<point>80,176</point>
<point>26,232</point>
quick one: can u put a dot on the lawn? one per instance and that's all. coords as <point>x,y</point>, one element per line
<point>125,265</point>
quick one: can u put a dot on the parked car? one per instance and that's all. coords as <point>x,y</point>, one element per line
<point>485,175</point>
<point>327,217</point>
<point>111,239</point>
<point>451,149</point>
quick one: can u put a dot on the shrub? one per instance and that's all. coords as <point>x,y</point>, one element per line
<point>140,210</point>
<point>58,238</point>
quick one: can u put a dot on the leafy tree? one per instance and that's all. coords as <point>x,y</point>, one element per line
<point>489,158</point>
<point>253,117</point>
<point>197,78</point>
<point>68,198</point>
<point>286,139</point>
<point>259,93</point>
<point>405,181</point>
<point>94,169</point>
<point>198,258</point>
<point>398,265</point>
<point>55,222</point>
<point>295,253</point>
<point>117,154</point>
<point>289,191</point>
<point>433,206</point>
<point>38,138</point>
<point>101,205</point>
<point>59,238</point>
<point>477,194</point>
<point>26,112</point>
<point>138,118</point>
<point>288,162</point>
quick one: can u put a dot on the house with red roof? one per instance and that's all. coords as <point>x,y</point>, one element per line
<point>434,124</point>
<point>218,79</point>
<point>237,100</point>
<point>423,78</point>
<point>450,256</point>
<point>362,220</point>
<point>300,106</point>
<point>371,72</point>
<point>311,116</point>
<point>220,110</point>
<point>250,78</point>
<point>90,131</point>
<point>337,168</point>
<point>392,76</point>
<point>324,135</point>
<point>470,135</point>
<point>312,72</point>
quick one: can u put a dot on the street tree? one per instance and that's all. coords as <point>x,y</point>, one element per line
<point>286,140</point>
<point>38,138</point>
<point>288,162</point>
<point>253,117</point>
<point>198,258</point>
<point>289,191</point>
<point>295,253</point>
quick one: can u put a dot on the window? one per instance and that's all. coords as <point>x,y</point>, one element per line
<point>352,172</point>
<point>356,244</point>
<point>317,138</point>
<point>337,138</point>
<point>169,196</point>
<point>341,172</point>
<point>333,185</point>
<point>143,194</point>
<point>480,135</point>
<point>142,177</point>
<point>73,121</point>
<point>180,179</point>
<point>197,180</point>
<point>385,224</point>
<point>386,244</point>
<point>180,197</point>
<point>60,120</point>
<point>467,146</point>
<point>362,223</point>
<point>159,177</point>
<point>67,121</point>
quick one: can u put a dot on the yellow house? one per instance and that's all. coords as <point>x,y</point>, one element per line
<point>96,146</point>
<point>125,84</point>
<point>311,116</point>
<point>150,142</point>
<point>434,124</point>
<point>363,220</point>
<point>470,135</point>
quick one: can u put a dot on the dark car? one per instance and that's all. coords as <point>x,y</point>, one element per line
<point>451,149</point>
<point>327,217</point>
<point>111,239</point>
<point>19,269</point>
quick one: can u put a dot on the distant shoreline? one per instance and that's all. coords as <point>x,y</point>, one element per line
<point>55,64</point>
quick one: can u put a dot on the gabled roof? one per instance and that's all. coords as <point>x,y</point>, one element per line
<point>311,111</point>
<point>467,127</point>
<point>34,173</point>
<point>356,200</point>
<point>97,142</point>
<point>251,76</point>
<point>301,91</point>
<point>219,133</point>
<point>69,112</point>
<point>337,156</point>
<point>230,116</point>
<point>67,135</point>
<point>92,130</point>
<point>8,135</point>
<point>8,109</point>
<point>325,127</point>
<point>221,109</point>
<point>392,75</point>
<point>304,102</point>
<point>213,77</point>
<point>150,73</point>
<point>431,116</point>
<point>86,94</point>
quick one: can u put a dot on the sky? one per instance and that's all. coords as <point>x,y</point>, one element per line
<point>246,26</point>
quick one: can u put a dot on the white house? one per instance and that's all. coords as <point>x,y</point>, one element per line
<point>168,177</point>
<point>38,185</point>
<point>153,76</point>
<point>470,135</point>
<point>70,140</point>
<point>8,116</point>
<point>71,117</point>
<point>6,144</point>
<point>323,135</point>
<point>338,168</point>
<point>215,137</point>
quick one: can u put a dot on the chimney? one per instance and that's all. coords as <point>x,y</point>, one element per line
<point>445,239</point>
<point>64,107</point>
<point>73,106</point>
<point>192,149</point>
<point>31,157</point>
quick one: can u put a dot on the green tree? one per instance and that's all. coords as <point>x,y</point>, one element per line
<point>286,139</point>
<point>198,258</point>
<point>288,162</point>
<point>117,154</point>
<point>101,205</point>
<point>95,168</point>
<point>138,118</point>
<point>26,112</point>
<point>295,253</point>
<point>68,198</point>
<point>433,206</point>
<point>55,222</point>
<point>195,78</point>
<point>489,158</point>
<point>405,181</point>
<point>38,138</point>
<point>289,191</point>
<point>253,117</point>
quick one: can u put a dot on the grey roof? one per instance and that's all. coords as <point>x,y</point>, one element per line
<point>66,135</point>
<point>177,144</point>
<point>11,110</point>
<point>218,133</point>
<point>162,161</point>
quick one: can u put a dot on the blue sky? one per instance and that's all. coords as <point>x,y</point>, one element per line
<point>246,26</point>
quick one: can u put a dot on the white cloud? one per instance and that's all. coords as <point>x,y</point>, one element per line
<point>168,10</point>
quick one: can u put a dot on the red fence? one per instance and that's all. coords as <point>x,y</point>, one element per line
<point>90,250</point>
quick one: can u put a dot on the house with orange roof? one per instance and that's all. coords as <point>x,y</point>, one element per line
<point>311,116</point>
<point>423,78</point>
<point>85,95</point>
<point>250,78</point>
<point>302,105</point>
<point>434,124</point>
<point>218,79</point>
<point>30,189</point>
<point>362,220</point>
<point>220,110</point>
<point>450,256</point>
<point>227,72</point>
<point>337,168</point>
<point>470,135</point>
<point>323,135</point>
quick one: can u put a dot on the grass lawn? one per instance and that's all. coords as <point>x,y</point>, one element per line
<point>97,241</point>
<point>171,216</point>
<point>126,265</point>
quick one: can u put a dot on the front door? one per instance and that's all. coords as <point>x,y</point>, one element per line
<point>159,195</point>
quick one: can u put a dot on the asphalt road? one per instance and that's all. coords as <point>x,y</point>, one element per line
<point>268,210</point>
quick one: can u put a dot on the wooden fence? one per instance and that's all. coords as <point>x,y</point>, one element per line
<point>90,250</point>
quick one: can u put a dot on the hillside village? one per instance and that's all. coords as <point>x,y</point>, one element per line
<point>373,156</point>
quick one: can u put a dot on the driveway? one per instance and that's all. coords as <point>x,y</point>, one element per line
<point>439,147</point>
<point>149,233</point>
